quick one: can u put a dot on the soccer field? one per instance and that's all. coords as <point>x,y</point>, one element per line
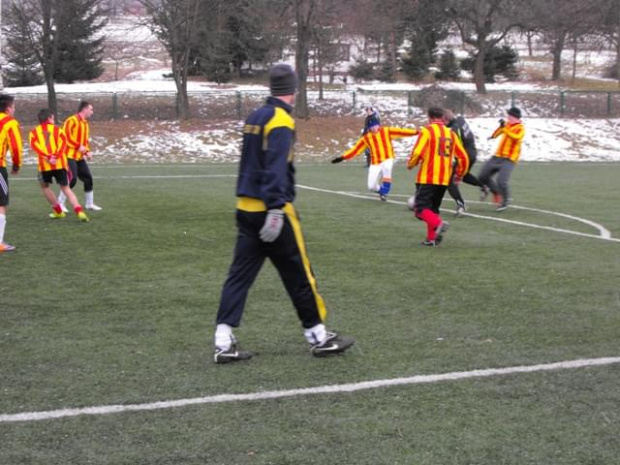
<point>106,327</point>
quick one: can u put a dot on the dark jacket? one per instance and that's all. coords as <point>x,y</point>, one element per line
<point>461,128</point>
<point>266,170</point>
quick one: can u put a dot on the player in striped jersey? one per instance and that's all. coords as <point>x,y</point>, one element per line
<point>10,139</point>
<point>505,159</point>
<point>436,151</point>
<point>49,143</point>
<point>77,130</point>
<point>379,141</point>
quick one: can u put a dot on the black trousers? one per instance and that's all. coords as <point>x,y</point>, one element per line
<point>288,255</point>
<point>79,169</point>
<point>428,196</point>
<point>453,189</point>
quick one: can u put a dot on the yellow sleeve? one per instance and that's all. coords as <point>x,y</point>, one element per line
<point>418,148</point>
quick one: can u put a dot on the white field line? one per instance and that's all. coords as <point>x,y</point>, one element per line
<point>604,234</point>
<point>329,389</point>
<point>171,176</point>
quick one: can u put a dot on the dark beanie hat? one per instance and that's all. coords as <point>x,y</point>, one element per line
<point>373,121</point>
<point>514,111</point>
<point>282,80</point>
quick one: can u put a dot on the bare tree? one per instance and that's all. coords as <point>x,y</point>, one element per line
<point>483,24</point>
<point>609,22</point>
<point>175,24</point>
<point>306,13</point>
<point>561,22</point>
<point>41,21</point>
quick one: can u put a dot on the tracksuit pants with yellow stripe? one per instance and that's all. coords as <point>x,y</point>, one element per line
<point>289,256</point>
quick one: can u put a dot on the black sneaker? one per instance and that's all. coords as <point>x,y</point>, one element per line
<point>427,243</point>
<point>440,231</point>
<point>383,197</point>
<point>503,206</point>
<point>333,344</point>
<point>484,193</point>
<point>230,355</point>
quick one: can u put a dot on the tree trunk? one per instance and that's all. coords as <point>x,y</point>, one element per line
<point>320,70</point>
<point>179,73</point>
<point>574,74</point>
<point>479,78</point>
<point>558,47</point>
<point>301,61</point>
<point>393,50</point>
<point>52,102</point>
<point>618,57</point>
<point>618,45</point>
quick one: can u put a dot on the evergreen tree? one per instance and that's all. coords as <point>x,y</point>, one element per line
<point>425,27</point>
<point>24,68</point>
<point>248,42</point>
<point>449,69</point>
<point>498,60</point>
<point>362,70</point>
<point>80,44</point>
<point>418,61</point>
<point>386,72</point>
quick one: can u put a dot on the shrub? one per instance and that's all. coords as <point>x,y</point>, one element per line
<point>498,60</point>
<point>362,70</point>
<point>449,69</point>
<point>386,72</point>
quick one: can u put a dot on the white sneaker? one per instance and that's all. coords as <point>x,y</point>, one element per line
<point>460,211</point>
<point>64,208</point>
<point>93,207</point>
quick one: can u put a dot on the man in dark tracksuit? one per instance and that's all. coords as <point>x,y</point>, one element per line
<point>461,128</point>
<point>268,226</point>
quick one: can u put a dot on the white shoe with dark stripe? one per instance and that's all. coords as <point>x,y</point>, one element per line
<point>332,344</point>
<point>230,355</point>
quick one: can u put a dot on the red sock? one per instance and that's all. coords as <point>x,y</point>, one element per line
<point>432,220</point>
<point>56,208</point>
<point>77,209</point>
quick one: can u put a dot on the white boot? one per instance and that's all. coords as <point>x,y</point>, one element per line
<point>62,199</point>
<point>89,204</point>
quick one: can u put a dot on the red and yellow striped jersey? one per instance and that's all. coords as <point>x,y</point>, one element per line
<point>77,131</point>
<point>48,140</point>
<point>510,143</point>
<point>10,139</point>
<point>380,144</point>
<point>435,152</point>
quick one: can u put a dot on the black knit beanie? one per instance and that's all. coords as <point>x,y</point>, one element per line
<point>282,80</point>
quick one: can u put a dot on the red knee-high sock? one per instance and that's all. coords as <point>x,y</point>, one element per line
<point>432,220</point>
<point>56,208</point>
<point>77,209</point>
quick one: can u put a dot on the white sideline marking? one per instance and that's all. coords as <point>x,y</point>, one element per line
<point>330,389</point>
<point>604,233</point>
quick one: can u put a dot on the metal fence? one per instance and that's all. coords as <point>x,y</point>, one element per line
<point>221,105</point>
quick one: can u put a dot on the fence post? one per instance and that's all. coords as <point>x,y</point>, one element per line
<point>462,102</point>
<point>608,104</point>
<point>114,106</point>
<point>512,98</point>
<point>353,95</point>
<point>239,102</point>
<point>562,103</point>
